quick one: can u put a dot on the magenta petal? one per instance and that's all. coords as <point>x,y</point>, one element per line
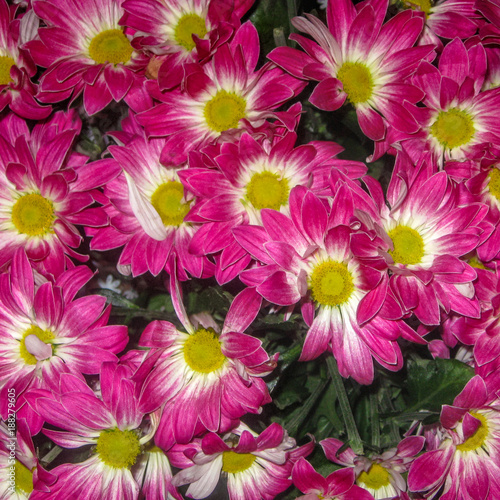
<point>243,311</point>
<point>306,479</point>
<point>428,470</point>
<point>371,123</point>
<point>118,79</point>
<point>281,288</point>
<point>473,395</point>
<point>96,97</point>
<point>328,95</point>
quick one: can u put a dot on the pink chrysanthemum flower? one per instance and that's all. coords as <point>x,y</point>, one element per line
<point>380,475</point>
<point>257,466</point>
<point>148,204</point>
<point>85,50</point>
<point>181,31</point>
<point>459,120</point>
<point>220,98</point>
<point>339,485</point>
<point>369,67</point>
<point>205,378</point>
<point>45,190</point>
<point>113,424</point>
<point>20,470</point>
<point>422,237</point>
<point>482,333</point>
<point>46,332</point>
<point>445,18</point>
<point>252,176</point>
<point>16,65</point>
<point>480,182</point>
<point>465,461</point>
<point>309,258</point>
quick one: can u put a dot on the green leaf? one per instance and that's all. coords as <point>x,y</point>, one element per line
<point>433,383</point>
<point>161,302</point>
<point>116,299</point>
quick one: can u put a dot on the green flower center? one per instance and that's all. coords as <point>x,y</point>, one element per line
<point>202,351</point>
<point>167,201</point>
<point>44,336</point>
<point>189,25</point>
<point>233,462</point>
<point>23,478</point>
<point>267,190</point>
<point>6,63</point>
<point>478,438</point>
<point>331,283</point>
<point>453,128</point>
<point>110,46</point>
<point>494,182</point>
<point>408,245</point>
<point>32,214</point>
<point>423,5</point>
<point>377,477</point>
<point>224,111</point>
<point>357,81</point>
<point>118,448</point>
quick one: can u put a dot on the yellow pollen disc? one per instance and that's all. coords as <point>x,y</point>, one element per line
<point>44,335</point>
<point>233,462</point>
<point>23,478</point>
<point>408,245</point>
<point>6,63</point>
<point>202,351</point>
<point>224,111</point>
<point>118,448</point>
<point>189,25</point>
<point>32,214</point>
<point>167,201</point>
<point>494,182</point>
<point>331,283</point>
<point>453,128</point>
<point>110,46</point>
<point>357,81</point>
<point>267,190</point>
<point>423,5</point>
<point>377,477</point>
<point>475,262</point>
<point>478,438</point>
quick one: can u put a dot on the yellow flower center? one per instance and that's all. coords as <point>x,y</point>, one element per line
<point>475,262</point>
<point>377,477</point>
<point>6,63</point>
<point>453,128</point>
<point>408,245</point>
<point>233,462</point>
<point>423,5</point>
<point>478,438</point>
<point>331,283</point>
<point>118,448</point>
<point>202,351</point>
<point>32,214</point>
<point>189,25</point>
<point>224,111</point>
<point>44,335</point>
<point>23,478</point>
<point>167,201</point>
<point>494,182</point>
<point>110,46</point>
<point>267,190</point>
<point>357,81</point>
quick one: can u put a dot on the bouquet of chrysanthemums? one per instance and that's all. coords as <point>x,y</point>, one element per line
<point>249,249</point>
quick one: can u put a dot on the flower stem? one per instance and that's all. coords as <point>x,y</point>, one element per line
<point>374,420</point>
<point>352,431</point>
